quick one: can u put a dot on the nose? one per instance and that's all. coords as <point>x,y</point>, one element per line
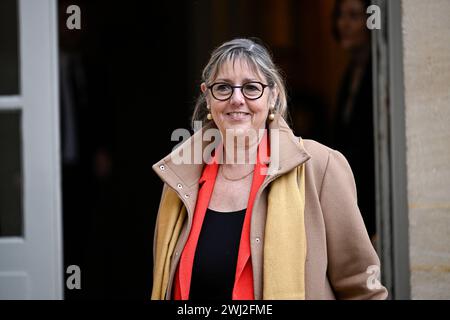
<point>237,98</point>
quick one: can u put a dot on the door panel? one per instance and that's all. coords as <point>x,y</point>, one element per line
<point>30,252</point>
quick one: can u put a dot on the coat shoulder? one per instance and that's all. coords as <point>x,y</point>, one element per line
<point>319,153</point>
<point>325,159</point>
<point>318,164</point>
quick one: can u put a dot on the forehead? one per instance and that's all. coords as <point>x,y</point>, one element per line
<point>352,5</point>
<point>238,69</point>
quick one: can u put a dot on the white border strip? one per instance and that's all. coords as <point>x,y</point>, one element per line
<point>11,102</point>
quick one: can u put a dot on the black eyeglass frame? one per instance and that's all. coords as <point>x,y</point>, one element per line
<point>264,86</point>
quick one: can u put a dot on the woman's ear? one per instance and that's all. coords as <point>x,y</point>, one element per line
<point>203,87</point>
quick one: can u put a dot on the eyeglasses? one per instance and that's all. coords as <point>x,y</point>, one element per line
<point>223,91</point>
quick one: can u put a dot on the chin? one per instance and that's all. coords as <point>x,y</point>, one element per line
<point>243,131</point>
<point>239,129</point>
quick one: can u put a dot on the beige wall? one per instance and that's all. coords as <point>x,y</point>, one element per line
<point>426,36</point>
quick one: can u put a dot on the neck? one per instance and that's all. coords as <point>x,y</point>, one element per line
<point>241,149</point>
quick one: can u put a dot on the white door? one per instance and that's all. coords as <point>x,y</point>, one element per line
<point>30,193</point>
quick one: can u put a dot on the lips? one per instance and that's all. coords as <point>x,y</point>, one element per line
<point>238,115</point>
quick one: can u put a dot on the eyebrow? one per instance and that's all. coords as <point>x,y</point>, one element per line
<point>245,80</point>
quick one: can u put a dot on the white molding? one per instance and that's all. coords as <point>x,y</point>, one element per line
<point>390,141</point>
<point>39,254</point>
<point>11,103</point>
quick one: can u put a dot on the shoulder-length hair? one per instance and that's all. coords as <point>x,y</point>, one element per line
<point>259,59</point>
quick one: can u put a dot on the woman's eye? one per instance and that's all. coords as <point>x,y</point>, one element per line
<point>251,87</point>
<point>223,87</point>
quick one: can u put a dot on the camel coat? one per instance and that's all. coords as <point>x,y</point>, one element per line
<point>340,260</point>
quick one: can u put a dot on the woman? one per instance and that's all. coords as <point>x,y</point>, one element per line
<point>283,224</point>
<point>354,133</point>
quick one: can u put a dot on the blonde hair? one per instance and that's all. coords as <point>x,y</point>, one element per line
<point>258,58</point>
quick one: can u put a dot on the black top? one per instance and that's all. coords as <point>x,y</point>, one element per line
<point>216,255</point>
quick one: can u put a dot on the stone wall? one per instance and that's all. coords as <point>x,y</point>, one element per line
<point>426,40</point>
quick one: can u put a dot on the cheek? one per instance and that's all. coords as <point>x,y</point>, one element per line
<point>217,107</point>
<point>341,24</point>
<point>216,112</point>
<point>260,110</point>
<point>354,27</point>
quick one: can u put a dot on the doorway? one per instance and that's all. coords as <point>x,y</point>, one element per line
<point>131,76</point>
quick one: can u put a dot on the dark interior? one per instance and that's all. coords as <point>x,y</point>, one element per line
<point>132,74</point>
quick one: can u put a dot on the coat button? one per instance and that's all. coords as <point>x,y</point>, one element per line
<point>179,186</point>
<point>162,167</point>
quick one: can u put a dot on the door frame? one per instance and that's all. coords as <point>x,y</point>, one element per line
<point>31,266</point>
<point>390,151</point>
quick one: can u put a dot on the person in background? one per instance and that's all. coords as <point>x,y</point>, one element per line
<point>353,124</point>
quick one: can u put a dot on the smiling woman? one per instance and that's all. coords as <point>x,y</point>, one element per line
<point>244,109</point>
<point>283,224</point>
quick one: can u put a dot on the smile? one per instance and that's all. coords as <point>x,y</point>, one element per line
<point>238,116</point>
<point>237,113</point>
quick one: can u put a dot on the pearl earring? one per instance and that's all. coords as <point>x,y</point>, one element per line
<point>272,114</point>
<point>208,116</point>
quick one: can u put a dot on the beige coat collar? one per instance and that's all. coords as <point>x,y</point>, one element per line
<point>184,177</point>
